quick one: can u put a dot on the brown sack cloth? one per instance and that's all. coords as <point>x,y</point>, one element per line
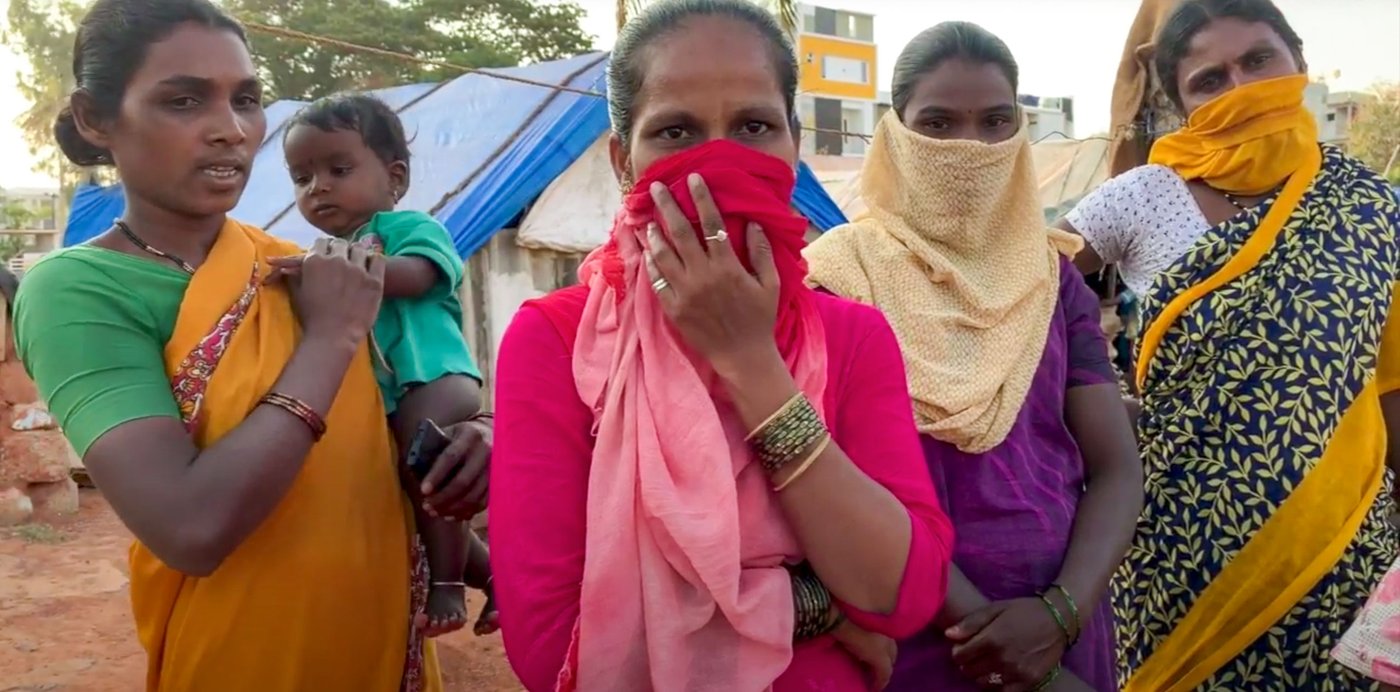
<point>1130,88</point>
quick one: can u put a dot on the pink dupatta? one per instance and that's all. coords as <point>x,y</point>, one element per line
<point>683,585</point>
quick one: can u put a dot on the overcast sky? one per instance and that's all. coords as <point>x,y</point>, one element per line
<point>1064,47</point>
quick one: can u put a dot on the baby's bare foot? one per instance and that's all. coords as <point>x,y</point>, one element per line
<point>489,621</point>
<point>447,610</point>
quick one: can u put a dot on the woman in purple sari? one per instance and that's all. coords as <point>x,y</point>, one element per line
<point>1023,428</point>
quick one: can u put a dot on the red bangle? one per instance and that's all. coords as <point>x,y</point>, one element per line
<point>314,422</point>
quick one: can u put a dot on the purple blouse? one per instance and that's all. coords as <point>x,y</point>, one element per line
<point>1013,507</point>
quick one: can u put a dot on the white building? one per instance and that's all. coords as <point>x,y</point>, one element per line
<point>29,224</point>
<point>1334,111</point>
<point>1342,109</point>
<point>1048,118</point>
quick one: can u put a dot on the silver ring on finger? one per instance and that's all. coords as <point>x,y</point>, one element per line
<point>995,680</point>
<point>660,285</point>
<point>720,236</point>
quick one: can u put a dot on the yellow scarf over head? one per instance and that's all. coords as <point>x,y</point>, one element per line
<point>955,251</point>
<point>1245,142</point>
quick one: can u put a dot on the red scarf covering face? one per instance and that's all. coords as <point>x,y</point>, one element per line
<point>683,585</point>
<point>747,185</point>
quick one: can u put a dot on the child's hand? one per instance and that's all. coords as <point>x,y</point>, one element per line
<point>283,268</point>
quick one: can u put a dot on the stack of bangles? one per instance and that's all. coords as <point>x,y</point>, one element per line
<point>314,422</point>
<point>1071,635</point>
<point>795,433</point>
<point>814,614</point>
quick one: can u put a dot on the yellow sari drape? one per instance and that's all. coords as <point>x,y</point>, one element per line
<point>318,597</point>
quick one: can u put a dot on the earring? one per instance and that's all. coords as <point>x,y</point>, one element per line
<point>625,185</point>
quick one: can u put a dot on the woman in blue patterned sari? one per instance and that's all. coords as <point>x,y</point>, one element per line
<point>1266,367</point>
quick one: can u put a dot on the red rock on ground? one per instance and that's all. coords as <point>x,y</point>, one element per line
<point>38,456</point>
<point>53,499</point>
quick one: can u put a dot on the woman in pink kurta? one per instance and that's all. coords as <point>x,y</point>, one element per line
<point>637,542</point>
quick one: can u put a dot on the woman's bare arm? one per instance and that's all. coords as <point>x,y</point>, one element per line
<point>1088,260</point>
<point>855,533</point>
<point>1390,410</point>
<point>1113,494</point>
<point>192,508</point>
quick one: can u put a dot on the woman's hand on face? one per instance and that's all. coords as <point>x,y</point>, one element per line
<point>876,651</point>
<point>337,289</point>
<point>469,457</point>
<point>1009,645</point>
<point>722,311</point>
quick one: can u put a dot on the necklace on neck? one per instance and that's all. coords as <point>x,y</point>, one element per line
<point>1235,201</point>
<point>1246,207</point>
<point>146,247</point>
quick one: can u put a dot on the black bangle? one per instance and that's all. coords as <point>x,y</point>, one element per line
<point>811,604</point>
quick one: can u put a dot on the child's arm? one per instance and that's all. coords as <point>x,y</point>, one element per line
<point>410,276</point>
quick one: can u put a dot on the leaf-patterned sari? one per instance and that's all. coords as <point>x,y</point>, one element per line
<point>319,596</point>
<point>1264,444</point>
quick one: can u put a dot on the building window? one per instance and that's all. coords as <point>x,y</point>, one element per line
<point>1331,117</point>
<point>856,27</point>
<point>838,69</point>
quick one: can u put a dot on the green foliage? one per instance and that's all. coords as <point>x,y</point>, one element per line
<point>14,215</point>
<point>471,33</point>
<point>1375,135</point>
<point>41,31</point>
<point>10,246</point>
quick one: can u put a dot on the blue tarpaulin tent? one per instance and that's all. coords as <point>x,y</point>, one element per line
<point>483,149</point>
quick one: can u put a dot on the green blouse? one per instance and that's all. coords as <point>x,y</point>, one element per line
<point>91,326</point>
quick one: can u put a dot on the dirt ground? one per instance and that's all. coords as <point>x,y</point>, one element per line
<point>65,623</point>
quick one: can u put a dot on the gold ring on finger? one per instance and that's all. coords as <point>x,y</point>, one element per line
<point>660,284</point>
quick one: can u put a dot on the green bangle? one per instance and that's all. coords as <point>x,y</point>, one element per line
<point>1055,613</point>
<point>1073,612</point>
<point>1048,680</point>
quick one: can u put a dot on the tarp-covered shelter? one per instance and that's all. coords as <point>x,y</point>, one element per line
<point>484,149</point>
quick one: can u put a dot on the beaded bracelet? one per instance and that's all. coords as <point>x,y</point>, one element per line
<point>1073,611</point>
<point>806,464</point>
<point>776,415</point>
<point>794,429</point>
<point>300,409</point>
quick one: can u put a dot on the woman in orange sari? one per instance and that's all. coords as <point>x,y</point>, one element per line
<point>235,427</point>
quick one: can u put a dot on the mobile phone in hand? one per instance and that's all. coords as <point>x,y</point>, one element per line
<point>428,442</point>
